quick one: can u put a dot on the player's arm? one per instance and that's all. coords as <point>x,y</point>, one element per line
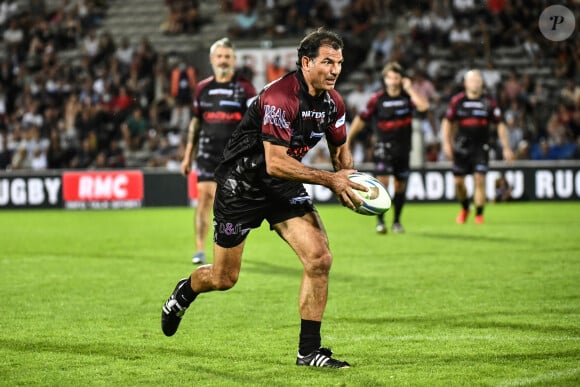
<point>356,126</point>
<point>421,103</point>
<point>341,157</point>
<point>448,130</point>
<point>502,133</point>
<point>192,141</point>
<point>280,164</point>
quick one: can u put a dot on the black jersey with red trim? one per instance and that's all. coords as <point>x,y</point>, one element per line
<point>391,118</point>
<point>473,118</point>
<point>283,114</point>
<point>219,107</point>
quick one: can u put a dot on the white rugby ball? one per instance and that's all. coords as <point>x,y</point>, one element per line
<point>376,200</point>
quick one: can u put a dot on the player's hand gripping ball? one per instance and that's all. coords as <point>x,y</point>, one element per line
<point>376,200</point>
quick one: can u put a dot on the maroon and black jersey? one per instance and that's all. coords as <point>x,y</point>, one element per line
<point>219,108</point>
<point>473,118</point>
<point>391,119</point>
<point>284,114</point>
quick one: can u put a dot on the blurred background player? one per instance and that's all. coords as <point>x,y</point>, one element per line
<point>390,113</point>
<point>466,132</point>
<point>219,103</point>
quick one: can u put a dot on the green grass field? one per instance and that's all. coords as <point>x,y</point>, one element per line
<point>493,305</point>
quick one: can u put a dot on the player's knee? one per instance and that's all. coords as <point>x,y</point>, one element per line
<point>319,264</point>
<point>225,281</point>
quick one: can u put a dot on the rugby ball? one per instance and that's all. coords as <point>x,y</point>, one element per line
<point>376,200</point>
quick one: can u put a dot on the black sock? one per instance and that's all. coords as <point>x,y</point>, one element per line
<point>381,218</point>
<point>309,336</point>
<point>479,210</point>
<point>399,201</point>
<point>185,295</point>
<point>465,204</point>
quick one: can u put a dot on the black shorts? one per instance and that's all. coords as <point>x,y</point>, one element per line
<point>388,163</point>
<point>205,168</point>
<point>469,161</point>
<point>237,211</point>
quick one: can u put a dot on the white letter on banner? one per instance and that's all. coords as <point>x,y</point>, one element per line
<point>18,192</point>
<point>52,187</point>
<point>434,185</point>
<point>4,192</point>
<point>35,191</point>
<point>120,187</point>
<point>415,189</point>
<point>544,184</point>
<point>85,187</point>
<point>564,184</point>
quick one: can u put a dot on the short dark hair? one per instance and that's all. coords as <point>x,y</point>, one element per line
<point>310,44</point>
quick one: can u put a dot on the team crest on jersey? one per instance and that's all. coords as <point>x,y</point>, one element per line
<point>275,116</point>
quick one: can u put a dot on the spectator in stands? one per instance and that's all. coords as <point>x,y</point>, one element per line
<point>85,122</point>
<point>114,155</point>
<point>246,23</point>
<point>542,150</point>
<point>70,29</point>
<point>163,102</point>
<point>191,16</point>
<point>443,22</point>
<point>420,27</point>
<point>8,10</point>
<point>517,137</point>
<point>13,36</point>
<point>565,66</point>
<point>570,93</point>
<point>5,154</point>
<point>120,104</point>
<point>32,116</point>
<point>56,155</point>
<point>461,40</point>
<point>381,48</point>
<point>84,156</point>
<point>31,151</point>
<point>574,131</point>
<point>512,87</point>
<point>361,14</point>
<point>503,190</point>
<point>105,49</point>
<point>492,77</point>
<point>183,81</point>
<point>174,22</point>
<point>275,69</point>
<point>424,86</point>
<point>532,48</point>
<point>124,54</point>
<point>464,9</point>
<point>135,130</point>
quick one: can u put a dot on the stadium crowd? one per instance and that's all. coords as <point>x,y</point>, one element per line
<point>119,105</point>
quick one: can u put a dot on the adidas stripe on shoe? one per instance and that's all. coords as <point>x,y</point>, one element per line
<point>322,357</point>
<point>172,312</point>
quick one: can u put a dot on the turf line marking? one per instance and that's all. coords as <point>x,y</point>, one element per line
<point>542,378</point>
